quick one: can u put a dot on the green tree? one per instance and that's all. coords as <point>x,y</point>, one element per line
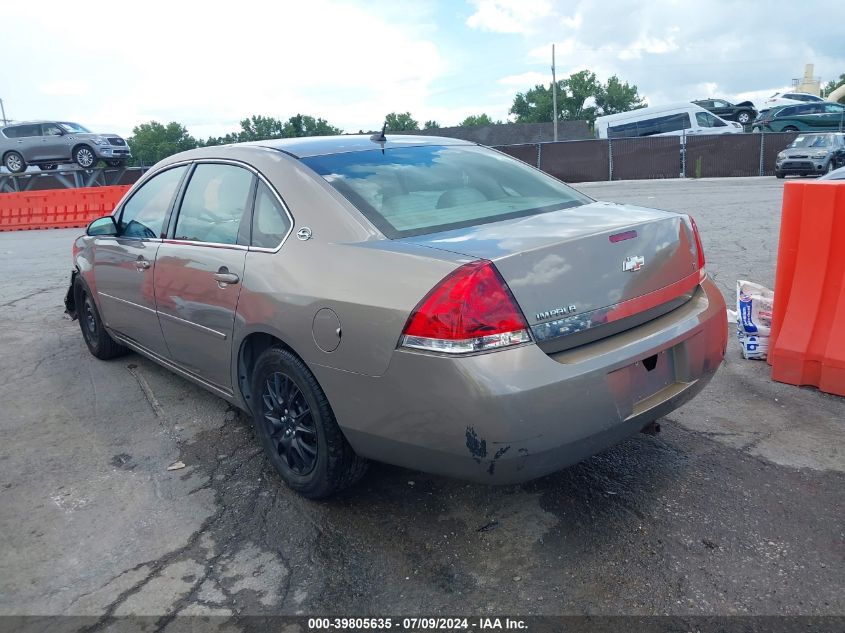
<point>151,142</point>
<point>476,119</point>
<point>833,85</point>
<point>535,105</point>
<point>431,125</point>
<point>577,88</point>
<point>262,128</point>
<point>614,97</point>
<point>304,125</point>
<point>401,122</point>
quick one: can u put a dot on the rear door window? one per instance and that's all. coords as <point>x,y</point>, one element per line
<point>23,131</point>
<point>214,204</point>
<point>270,222</point>
<point>143,215</point>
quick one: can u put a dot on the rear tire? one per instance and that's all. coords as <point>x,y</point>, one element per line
<point>14,162</point>
<point>297,428</point>
<point>99,342</point>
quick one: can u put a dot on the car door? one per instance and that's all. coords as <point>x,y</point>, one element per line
<point>199,268</point>
<point>722,109</point>
<point>124,265</point>
<point>53,144</point>
<point>28,141</point>
<point>833,117</point>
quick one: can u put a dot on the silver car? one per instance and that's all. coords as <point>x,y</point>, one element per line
<point>819,153</point>
<point>420,301</point>
<point>47,144</point>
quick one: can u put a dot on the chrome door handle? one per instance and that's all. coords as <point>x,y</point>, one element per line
<point>142,264</point>
<point>225,277</point>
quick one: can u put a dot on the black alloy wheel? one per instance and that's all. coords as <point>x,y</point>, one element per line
<point>297,427</point>
<point>289,423</point>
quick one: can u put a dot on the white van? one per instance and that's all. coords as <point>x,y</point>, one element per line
<point>676,119</point>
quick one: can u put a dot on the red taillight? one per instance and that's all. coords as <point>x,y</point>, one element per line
<point>698,245</point>
<point>469,311</point>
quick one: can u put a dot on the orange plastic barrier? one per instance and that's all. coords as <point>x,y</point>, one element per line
<point>807,346</point>
<point>57,208</point>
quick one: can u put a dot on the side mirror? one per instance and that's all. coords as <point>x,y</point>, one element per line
<point>102,226</point>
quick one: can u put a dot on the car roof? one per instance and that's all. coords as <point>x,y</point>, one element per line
<point>306,146</point>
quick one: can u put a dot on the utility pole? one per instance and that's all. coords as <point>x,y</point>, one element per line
<point>3,112</point>
<point>554,92</point>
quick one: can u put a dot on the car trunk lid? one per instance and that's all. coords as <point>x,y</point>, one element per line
<point>587,272</point>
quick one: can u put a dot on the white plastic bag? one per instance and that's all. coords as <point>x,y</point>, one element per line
<point>754,318</point>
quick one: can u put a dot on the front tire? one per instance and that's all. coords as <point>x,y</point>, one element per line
<point>779,174</point>
<point>790,128</point>
<point>14,162</point>
<point>743,118</point>
<point>84,157</point>
<point>830,166</point>
<point>99,342</point>
<point>297,428</point>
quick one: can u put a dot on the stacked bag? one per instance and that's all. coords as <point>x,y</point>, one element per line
<point>753,318</point>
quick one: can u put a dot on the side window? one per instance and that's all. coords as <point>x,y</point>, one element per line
<point>12,132</point>
<point>50,129</point>
<point>674,122</point>
<point>270,223</point>
<point>22,131</point>
<point>214,204</point>
<point>143,214</point>
<point>832,108</point>
<point>705,119</point>
<point>790,111</point>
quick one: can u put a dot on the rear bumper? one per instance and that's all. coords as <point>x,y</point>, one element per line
<point>514,415</point>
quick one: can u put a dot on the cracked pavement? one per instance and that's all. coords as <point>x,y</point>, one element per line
<point>735,508</point>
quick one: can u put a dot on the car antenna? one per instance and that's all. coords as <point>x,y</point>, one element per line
<point>380,137</point>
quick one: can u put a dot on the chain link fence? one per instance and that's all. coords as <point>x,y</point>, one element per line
<point>695,156</point>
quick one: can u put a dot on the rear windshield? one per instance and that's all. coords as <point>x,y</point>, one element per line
<point>408,191</point>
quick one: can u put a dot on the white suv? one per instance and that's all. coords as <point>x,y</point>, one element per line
<point>788,98</point>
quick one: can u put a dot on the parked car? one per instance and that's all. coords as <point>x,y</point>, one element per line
<point>677,119</point>
<point>743,112</point>
<point>47,144</point>
<point>807,117</point>
<point>421,301</point>
<point>789,98</point>
<point>814,154</point>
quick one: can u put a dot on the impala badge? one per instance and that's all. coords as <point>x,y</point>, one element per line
<point>633,264</point>
<point>556,312</point>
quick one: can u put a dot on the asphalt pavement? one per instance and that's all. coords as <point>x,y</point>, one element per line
<point>735,508</point>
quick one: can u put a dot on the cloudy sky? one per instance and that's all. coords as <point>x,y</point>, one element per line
<point>111,65</point>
